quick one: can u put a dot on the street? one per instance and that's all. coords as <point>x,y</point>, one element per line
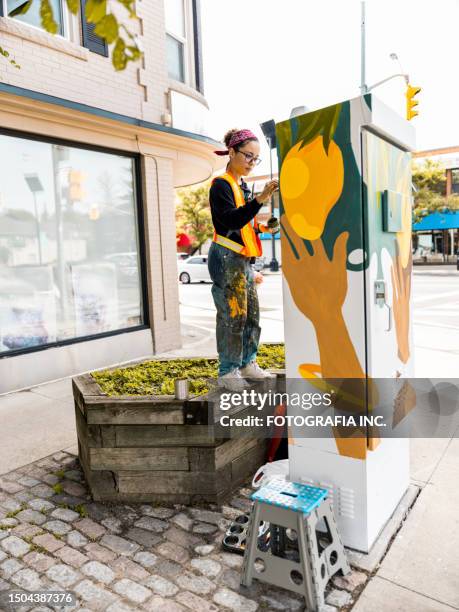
<point>435,312</point>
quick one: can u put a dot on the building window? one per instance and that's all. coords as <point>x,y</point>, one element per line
<point>32,16</point>
<point>455,180</point>
<point>175,64</point>
<point>176,39</point>
<point>69,244</point>
<point>183,42</point>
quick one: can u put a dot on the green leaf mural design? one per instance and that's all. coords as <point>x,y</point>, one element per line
<point>333,123</point>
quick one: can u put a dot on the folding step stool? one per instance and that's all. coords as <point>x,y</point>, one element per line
<point>306,570</point>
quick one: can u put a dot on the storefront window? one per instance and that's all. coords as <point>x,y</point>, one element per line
<point>69,247</point>
<point>32,15</point>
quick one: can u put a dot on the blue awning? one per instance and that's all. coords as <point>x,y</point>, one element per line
<point>438,221</point>
<point>268,236</point>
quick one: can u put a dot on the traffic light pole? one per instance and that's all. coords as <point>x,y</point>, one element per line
<point>274,265</point>
<point>394,76</point>
<point>363,86</point>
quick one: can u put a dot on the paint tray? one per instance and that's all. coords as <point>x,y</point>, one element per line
<point>236,535</point>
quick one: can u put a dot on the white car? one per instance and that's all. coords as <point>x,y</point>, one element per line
<point>194,269</point>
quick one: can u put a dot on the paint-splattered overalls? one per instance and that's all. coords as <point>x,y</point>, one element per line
<point>238,314</point>
<point>234,291</point>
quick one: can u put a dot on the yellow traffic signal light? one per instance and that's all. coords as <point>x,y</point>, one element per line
<point>75,186</point>
<point>411,102</point>
<point>94,212</point>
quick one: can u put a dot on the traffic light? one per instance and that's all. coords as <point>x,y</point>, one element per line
<point>94,212</point>
<point>411,102</point>
<point>75,186</point>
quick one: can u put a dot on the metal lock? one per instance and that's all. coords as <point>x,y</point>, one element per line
<point>380,300</point>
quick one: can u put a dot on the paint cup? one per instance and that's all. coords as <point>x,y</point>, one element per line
<point>182,388</point>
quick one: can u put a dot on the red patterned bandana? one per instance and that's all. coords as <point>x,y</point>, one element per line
<point>237,138</point>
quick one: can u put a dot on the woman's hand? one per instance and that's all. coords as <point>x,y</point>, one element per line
<point>267,192</point>
<point>258,277</point>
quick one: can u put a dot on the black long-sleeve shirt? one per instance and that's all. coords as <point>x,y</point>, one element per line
<point>228,219</point>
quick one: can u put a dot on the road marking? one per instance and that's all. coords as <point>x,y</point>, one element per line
<point>435,312</point>
<point>435,297</point>
<point>425,324</point>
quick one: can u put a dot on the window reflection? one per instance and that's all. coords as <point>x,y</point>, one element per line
<point>69,255</point>
<point>32,15</point>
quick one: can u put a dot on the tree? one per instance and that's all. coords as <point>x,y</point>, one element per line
<point>430,182</point>
<point>125,45</point>
<point>193,214</point>
<point>429,175</point>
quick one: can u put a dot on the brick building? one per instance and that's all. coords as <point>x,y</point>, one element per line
<point>90,158</point>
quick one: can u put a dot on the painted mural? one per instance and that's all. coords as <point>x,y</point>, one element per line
<point>332,237</point>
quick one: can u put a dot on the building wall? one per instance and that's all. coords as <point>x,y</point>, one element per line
<point>159,218</point>
<point>64,68</point>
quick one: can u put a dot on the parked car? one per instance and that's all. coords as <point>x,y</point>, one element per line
<point>260,263</point>
<point>421,254</point>
<point>126,266</point>
<point>193,269</point>
<point>182,256</point>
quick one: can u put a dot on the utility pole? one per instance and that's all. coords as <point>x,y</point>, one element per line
<point>363,85</point>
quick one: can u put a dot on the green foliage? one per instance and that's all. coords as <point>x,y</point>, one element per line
<point>429,176</point>
<point>430,181</point>
<point>21,9</point>
<point>107,27</point>
<point>271,356</point>
<point>47,17</point>
<point>81,509</point>
<point>4,53</point>
<point>57,488</point>
<point>37,548</point>
<point>193,213</point>
<point>95,10</point>
<point>73,5</point>
<point>13,513</point>
<point>157,377</point>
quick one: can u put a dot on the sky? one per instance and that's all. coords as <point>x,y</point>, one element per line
<point>264,57</point>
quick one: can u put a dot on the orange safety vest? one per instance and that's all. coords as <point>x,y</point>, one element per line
<point>252,243</point>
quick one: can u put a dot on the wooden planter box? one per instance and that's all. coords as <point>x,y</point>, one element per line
<point>160,449</point>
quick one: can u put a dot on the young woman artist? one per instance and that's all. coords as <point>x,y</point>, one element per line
<point>235,246</point>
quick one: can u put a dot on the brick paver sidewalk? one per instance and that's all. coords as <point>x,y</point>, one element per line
<point>126,557</point>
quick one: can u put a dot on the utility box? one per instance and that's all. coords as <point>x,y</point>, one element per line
<point>345,186</point>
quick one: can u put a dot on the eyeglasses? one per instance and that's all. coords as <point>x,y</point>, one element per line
<point>250,158</point>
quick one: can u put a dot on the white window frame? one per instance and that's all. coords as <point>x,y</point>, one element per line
<point>188,45</point>
<point>68,21</point>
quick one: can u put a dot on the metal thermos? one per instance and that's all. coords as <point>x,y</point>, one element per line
<point>182,388</point>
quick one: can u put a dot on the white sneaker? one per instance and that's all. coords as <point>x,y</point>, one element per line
<point>232,381</point>
<point>253,370</point>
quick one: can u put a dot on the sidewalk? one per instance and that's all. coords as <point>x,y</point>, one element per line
<point>169,559</point>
